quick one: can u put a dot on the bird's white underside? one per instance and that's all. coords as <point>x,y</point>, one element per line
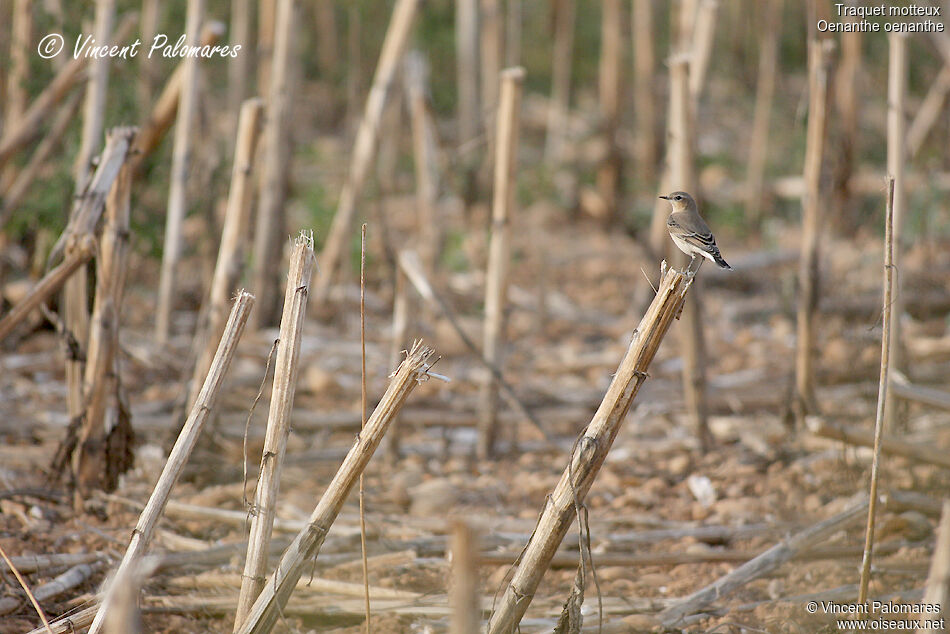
<point>691,249</point>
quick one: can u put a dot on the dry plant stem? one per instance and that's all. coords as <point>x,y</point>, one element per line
<point>763,564</point>
<point>938,581</point>
<point>26,588</point>
<point>327,40</point>
<point>563,49</point>
<point>644,98</point>
<point>463,593</point>
<point>896,159</point>
<point>25,177</point>
<point>397,349</point>
<point>269,234</point>
<point>266,27</point>
<point>397,34</point>
<point>846,94</point>
<point>181,165</point>
<point>145,528</point>
<point>610,89</point>
<point>412,267</point>
<point>239,65</point>
<point>48,286</point>
<point>75,576</point>
<point>363,416</point>
<point>819,58</point>
<point>591,450</point>
<point>21,48</point>
<point>929,111</point>
<point>764,91</point>
<point>882,389</point>
<point>466,55</point>
<point>704,30</point>
<point>513,26</point>
<point>96,86</point>
<point>891,446</point>
<point>902,388</point>
<point>489,50</point>
<point>278,423</point>
<point>424,152</point>
<point>496,284</point>
<point>69,624</point>
<point>100,382</point>
<point>148,27</point>
<point>163,113</point>
<point>30,123</point>
<point>306,545</point>
<point>230,261</point>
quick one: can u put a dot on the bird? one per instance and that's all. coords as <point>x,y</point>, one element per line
<point>690,232</point>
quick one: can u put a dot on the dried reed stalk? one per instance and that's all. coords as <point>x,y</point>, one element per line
<point>514,17</point>
<point>496,281</point>
<point>148,27</point>
<point>97,85</point>
<point>145,528</point>
<point>397,34</point>
<point>230,263</point>
<point>101,381</point>
<point>275,157</point>
<point>306,545</point>
<point>929,111</point>
<point>611,94</point>
<point>644,99</point>
<point>764,91</point>
<point>328,56</point>
<point>26,588</point>
<point>466,71</point>
<point>819,62</point>
<point>464,597</point>
<point>704,30</point>
<point>937,591</point>
<point>278,423</point>
<point>925,454</point>
<point>896,168</point>
<point>490,51</point>
<point>266,35</point>
<point>398,346</point>
<point>17,79</point>
<point>239,67</point>
<point>846,94</point>
<point>763,564</point>
<point>591,451</point>
<point>425,155</point>
<point>181,166</point>
<point>882,389</point>
<point>30,124</point>
<point>561,55</point>
<point>682,176</point>
<point>163,113</point>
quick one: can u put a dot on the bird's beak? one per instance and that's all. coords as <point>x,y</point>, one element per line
<point>664,197</point>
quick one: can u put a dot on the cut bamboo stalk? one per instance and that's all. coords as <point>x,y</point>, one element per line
<point>239,67</point>
<point>490,51</point>
<point>848,147</point>
<point>852,436</point>
<point>682,177</point>
<point>266,36</point>
<point>30,124</point>
<point>929,111</point>
<point>97,85</point>
<point>366,139</point>
<point>145,528</point>
<point>181,166</point>
<point>280,585</point>
<point>764,91</point>
<point>882,390</point>
<point>611,94</point>
<point>425,156</point>
<point>163,114</point>
<point>514,17</point>
<point>560,102</point>
<point>937,591</point>
<point>148,27</point>
<point>25,177</point>
<point>896,159</point>
<point>591,451</point>
<point>328,55</point>
<point>275,154</point>
<point>466,55</point>
<point>92,466</point>
<point>230,263</point>
<point>763,564</point>
<point>411,265</point>
<point>819,62</point>
<point>464,597</point>
<point>644,100</point>
<point>496,281</point>
<point>278,423</point>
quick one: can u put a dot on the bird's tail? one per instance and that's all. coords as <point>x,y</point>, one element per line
<point>721,262</point>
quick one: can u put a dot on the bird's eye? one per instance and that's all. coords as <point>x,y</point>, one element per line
<point>677,198</point>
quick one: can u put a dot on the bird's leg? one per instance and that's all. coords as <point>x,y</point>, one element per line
<point>689,267</point>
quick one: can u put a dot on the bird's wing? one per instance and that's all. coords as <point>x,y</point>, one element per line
<point>704,240</point>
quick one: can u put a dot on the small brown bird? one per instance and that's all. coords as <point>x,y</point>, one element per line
<point>690,232</point>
